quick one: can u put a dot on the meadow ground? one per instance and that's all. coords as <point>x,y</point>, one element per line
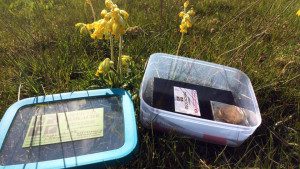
<point>41,49</point>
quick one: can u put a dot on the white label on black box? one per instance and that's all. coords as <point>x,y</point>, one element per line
<point>186,101</point>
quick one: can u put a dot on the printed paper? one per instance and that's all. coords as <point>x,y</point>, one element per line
<point>64,127</point>
<point>186,101</point>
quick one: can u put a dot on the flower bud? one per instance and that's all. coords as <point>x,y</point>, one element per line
<point>124,13</point>
<point>103,13</point>
<point>109,4</point>
<point>125,60</point>
<point>186,4</point>
<point>191,12</point>
<point>104,67</point>
<point>79,25</point>
<point>181,14</point>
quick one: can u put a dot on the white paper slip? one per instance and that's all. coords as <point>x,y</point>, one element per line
<point>186,101</point>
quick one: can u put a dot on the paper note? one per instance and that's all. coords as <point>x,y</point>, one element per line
<point>64,127</point>
<point>186,101</point>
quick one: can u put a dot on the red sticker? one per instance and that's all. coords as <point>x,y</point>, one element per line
<point>214,139</point>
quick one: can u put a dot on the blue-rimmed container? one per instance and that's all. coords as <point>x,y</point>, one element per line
<point>119,138</point>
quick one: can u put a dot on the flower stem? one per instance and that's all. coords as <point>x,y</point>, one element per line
<point>120,55</point>
<point>180,43</point>
<point>92,8</point>
<point>111,42</point>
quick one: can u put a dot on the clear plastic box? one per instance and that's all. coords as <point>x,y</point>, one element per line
<point>196,72</point>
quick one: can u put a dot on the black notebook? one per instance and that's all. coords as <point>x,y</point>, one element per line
<point>188,99</point>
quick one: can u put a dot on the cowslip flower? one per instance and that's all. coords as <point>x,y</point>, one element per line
<point>97,29</point>
<point>118,18</point>
<point>101,29</point>
<point>104,67</point>
<point>109,4</point>
<point>186,4</point>
<point>186,18</point>
<point>82,28</point>
<point>125,60</point>
<point>298,12</point>
<point>103,13</point>
<point>113,22</point>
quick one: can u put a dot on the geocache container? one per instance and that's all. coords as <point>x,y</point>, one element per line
<point>185,95</point>
<point>67,130</point>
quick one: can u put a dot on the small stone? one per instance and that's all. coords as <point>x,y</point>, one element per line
<point>231,114</point>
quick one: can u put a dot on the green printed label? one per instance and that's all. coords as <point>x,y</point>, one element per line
<point>64,127</point>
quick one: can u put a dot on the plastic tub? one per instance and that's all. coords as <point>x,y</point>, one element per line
<point>68,130</point>
<point>192,73</point>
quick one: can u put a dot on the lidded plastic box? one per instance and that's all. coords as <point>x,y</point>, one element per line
<point>68,130</point>
<point>203,100</point>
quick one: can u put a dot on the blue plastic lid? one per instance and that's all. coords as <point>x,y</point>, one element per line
<point>93,126</point>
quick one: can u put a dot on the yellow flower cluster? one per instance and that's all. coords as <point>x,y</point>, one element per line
<point>82,27</point>
<point>298,12</point>
<point>113,22</point>
<point>186,18</point>
<point>104,67</point>
<point>125,60</point>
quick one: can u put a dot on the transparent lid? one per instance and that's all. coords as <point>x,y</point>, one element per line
<point>78,127</point>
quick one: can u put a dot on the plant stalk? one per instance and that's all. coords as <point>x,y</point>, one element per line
<point>120,55</point>
<point>92,8</point>
<point>180,43</point>
<point>161,14</point>
<point>111,42</point>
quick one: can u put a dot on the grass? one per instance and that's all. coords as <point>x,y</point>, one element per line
<point>41,49</point>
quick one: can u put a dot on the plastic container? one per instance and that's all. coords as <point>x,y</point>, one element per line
<point>68,130</point>
<point>205,74</point>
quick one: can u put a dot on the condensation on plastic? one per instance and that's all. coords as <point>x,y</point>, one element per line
<point>113,137</point>
<point>198,72</point>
